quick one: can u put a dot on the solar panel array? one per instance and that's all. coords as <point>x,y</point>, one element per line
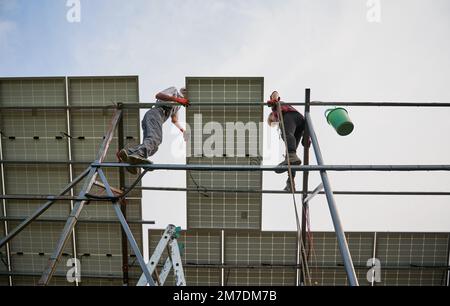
<point>406,258</point>
<point>268,258</point>
<point>45,135</point>
<point>239,147</point>
<point>243,250</point>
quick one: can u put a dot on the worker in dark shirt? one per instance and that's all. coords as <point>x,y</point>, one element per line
<point>294,125</point>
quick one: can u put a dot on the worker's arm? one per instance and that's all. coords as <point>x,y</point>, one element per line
<point>163,97</point>
<point>177,124</point>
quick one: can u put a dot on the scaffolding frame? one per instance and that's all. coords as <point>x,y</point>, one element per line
<point>95,169</point>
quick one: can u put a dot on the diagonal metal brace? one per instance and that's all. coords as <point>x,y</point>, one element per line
<point>313,193</point>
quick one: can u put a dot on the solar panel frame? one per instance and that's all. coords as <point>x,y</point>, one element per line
<point>47,124</point>
<point>224,89</point>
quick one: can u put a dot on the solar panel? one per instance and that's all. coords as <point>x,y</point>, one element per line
<point>260,277</point>
<point>405,258</point>
<point>220,210</point>
<point>417,254</point>
<point>273,252</point>
<point>257,258</point>
<point>260,248</point>
<point>43,135</point>
<point>201,248</point>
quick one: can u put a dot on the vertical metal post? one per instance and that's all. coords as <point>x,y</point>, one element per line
<point>5,223</point>
<point>127,230</point>
<point>305,186</point>
<point>222,258</point>
<point>342,241</point>
<point>374,256</point>
<point>448,263</point>
<point>73,217</point>
<point>123,206</point>
<point>69,150</point>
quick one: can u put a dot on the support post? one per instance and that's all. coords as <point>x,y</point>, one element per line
<point>78,207</point>
<point>342,241</point>
<point>305,187</point>
<point>127,230</point>
<point>69,155</point>
<point>123,206</point>
<point>5,214</point>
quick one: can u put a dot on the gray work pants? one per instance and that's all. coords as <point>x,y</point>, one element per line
<point>152,128</point>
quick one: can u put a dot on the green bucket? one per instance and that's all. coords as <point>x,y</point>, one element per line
<point>339,119</point>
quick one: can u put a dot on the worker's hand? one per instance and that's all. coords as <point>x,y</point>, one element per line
<point>272,102</point>
<point>182,101</point>
<point>185,134</point>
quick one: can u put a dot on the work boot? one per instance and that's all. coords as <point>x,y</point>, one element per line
<point>135,159</point>
<point>293,159</point>
<point>288,186</point>
<point>122,155</point>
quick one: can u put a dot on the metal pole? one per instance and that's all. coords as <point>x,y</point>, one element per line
<point>448,262</point>
<point>123,206</point>
<point>218,190</point>
<point>42,162</point>
<point>198,167</point>
<point>51,198</point>
<point>40,210</point>
<point>69,155</point>
<point>127,230</point>
<point>374,256</point>
<point>305,181</point>
<point>222,257</point>
<point>342,241</point>
<point>57,220</point>
<point>144,105</point>
<point>40,197</point>
<point>5,223</point>
<point>73,217</point>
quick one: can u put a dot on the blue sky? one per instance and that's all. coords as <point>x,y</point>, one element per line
<point>328,46</point>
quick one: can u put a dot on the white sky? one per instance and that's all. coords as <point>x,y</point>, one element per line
<point>328,46</point>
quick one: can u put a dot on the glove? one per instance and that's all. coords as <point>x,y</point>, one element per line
<point>272,102</point>
<point>182,101</point>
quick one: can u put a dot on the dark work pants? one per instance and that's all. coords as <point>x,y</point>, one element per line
<point>152,128</point>
<point>294,125</point>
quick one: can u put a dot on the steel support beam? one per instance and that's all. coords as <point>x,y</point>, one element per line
<point>144,105</point>
<point>387,193</point>
<point>5,214</point>
<point>74,215</point>
<point>342,241</point>
<point>197,167</point>
<point>69,156</point>
<point>40,197</point>
<point>58,220</point>
<point>127,230</point>
<point>123,206</point>
<point>304,190</point>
